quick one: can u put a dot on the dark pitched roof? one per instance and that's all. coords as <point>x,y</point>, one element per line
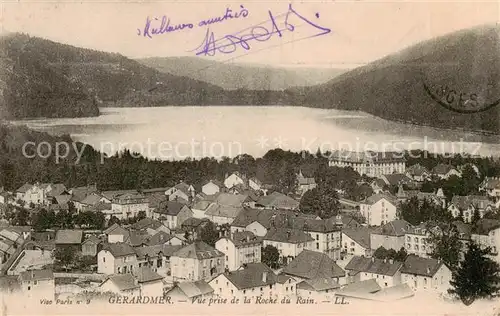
<point>170,208</point>
<point>115,229</point>
<point>198,250</point>
<point>398,227</point>
<point>476,201</point>
<point>417,170</point>
<point>159,238</point>
<point>150,251</point>
<point>146,223</point>
<point>311,264</point>
<point>285,235</point>
<point>24,188</point>
<point>69,236</point>
<point>119,249</point>
<point>93,239</point>
<point>373,265</point>
<point>168,250</point>
<point>485,225</point>
<point>421,266</point>
<point>278,200</point>
<point>361,235</point>
<point>397,178</point>
<point>193,222</point>
<point>442,169</point>
<point>123,282</point>
<point>366,286</point>
<point>251,275</point>
<point>281,218</point>
<point>35,275</point>
<point>245,238</point>
<point>145,274</point>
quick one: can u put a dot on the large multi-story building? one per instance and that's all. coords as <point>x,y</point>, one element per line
<point>197,261</point>
<point>129,205</point>
<point>240,248</point>
<point>373,164</point>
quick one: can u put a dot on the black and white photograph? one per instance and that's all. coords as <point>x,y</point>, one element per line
<point>248,158</point>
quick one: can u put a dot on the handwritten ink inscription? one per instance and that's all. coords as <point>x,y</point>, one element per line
<point>159,26</point>
<point>258,33</point>
<point>457,101</point>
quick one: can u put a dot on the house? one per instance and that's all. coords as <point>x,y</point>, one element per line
<point>196,261</point>
<point>320,289</point>
<point>437,198</point>
<point>486,232</point>
<point>372,164</point>
<point>32,193</point>
<point>312,265</point>
<point>491,185</point>
<point>391,235</point>
<point>361,289</point>
<point>304,183</point>
<point>151,257</point>
<point>233,179</point>
<point>173,213</point>
<point>37,284</point>
<point>129,205</point>
<point>116,233</point>
<point>356,241</point>
<point>66,238</point>
<point>286,285</point>
<point>91,201</point>
<point>418,172</point>
<point>116,258</point>
<point>190,291</point>
<point>181,192</point>
<point>289,242</point>
<point>122,284</point>
<point>80,193</point>
<point>150,226</point>
<point>425,274</point>
<point>240,248</point>
<point>226,207</point>
<point>465,206</point>
<point>162,238</point>
<point>211,187</point>
<point>277,200</point>
<point>200,208</point>
<point>417,239</point>
<point>386,272</point>
<point>445,171</point>
<point>91,246</point>
<point>150,282</point>
<point>191,228</point>
<point>155,200</point>
<point>250,281</point>
<point>378,186</point>
<point>379,209</point>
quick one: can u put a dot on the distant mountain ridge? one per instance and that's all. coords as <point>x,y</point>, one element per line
<point>240,76</point>
<point>467,62</point>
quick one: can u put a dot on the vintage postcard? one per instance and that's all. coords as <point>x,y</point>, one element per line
<point>244,158</point>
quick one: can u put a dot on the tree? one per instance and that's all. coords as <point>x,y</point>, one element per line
<point>446,244</point>
<point>401,255</point>
<point>475,216</point>
<point>209,233</point>
<point>270,256</point>
<point>141,215</point>
<point>380,253</point>
<point>477,276</point>
<point>321,201</point>
<point>113,220</point>
<point>64,256</point>
<point>21,217</point>
<point>43,220</point>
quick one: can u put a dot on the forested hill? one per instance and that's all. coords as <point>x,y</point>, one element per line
<point>464,63</point>
<point>42,78</point>
<point>31,87</point>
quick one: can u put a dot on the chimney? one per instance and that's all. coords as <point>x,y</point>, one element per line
<point>264,276</point>
<point>288,233</point>
<point>428,270</point>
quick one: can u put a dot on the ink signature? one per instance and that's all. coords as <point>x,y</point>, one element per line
<point>229,43</point>
<point>157,26</point>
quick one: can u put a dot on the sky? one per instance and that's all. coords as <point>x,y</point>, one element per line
<point>361,31</point>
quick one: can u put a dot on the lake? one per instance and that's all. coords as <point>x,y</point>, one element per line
<point>216,131</point>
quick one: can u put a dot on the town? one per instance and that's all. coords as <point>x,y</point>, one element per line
<point>362,226</point>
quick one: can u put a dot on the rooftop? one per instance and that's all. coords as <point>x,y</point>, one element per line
<point>420,266</point>
<point>36,275</point>
<point>198,250</point>
<point>251,275</point>
<point>285,235</point>
<point>373,265</point>
<point>311,265</point>
<point>194,289</point>
<point>119,249</point>
<point>68,237</point>
<point>123,282</point>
